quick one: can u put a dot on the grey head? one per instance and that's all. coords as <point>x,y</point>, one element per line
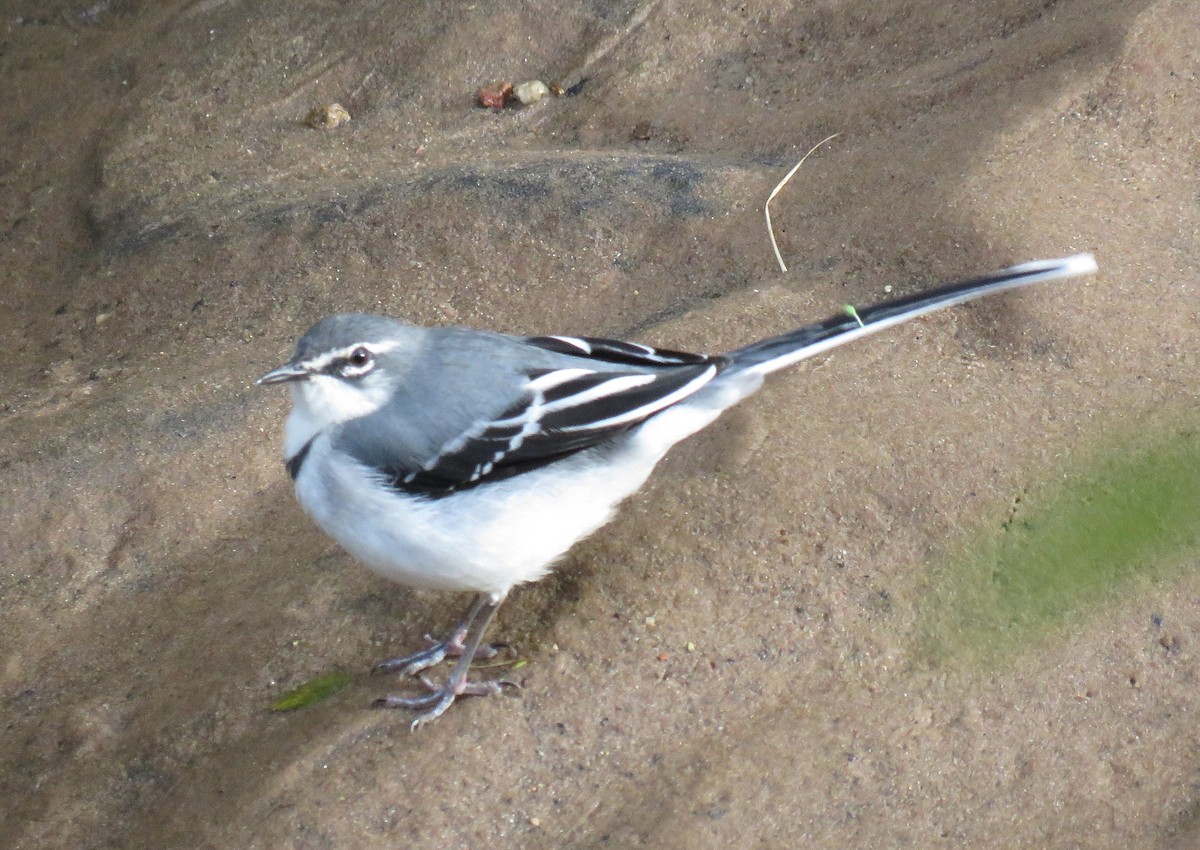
<point>346,346</point>
<point>346,367</point>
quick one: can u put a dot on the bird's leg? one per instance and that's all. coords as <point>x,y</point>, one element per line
<point>440,698</point>
<point>437,651</point>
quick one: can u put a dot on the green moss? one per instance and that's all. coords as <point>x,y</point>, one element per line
<point>1067,547</point>
<point>312,692</point>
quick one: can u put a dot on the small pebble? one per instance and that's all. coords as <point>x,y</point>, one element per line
<point>327,116</point>
<point>495,94</point>
<point>531,92</point>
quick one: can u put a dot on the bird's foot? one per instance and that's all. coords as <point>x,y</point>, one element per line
<point>466,641</point>
<point>410,665</point>
<point>435,653</point>
<point>441,697</point>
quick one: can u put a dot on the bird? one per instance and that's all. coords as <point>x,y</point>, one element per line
<point>453,459</point>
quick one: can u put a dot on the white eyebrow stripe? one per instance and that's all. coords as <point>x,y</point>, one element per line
<point>316,364</point>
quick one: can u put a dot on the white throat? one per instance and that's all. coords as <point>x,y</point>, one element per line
<point>321,401</point>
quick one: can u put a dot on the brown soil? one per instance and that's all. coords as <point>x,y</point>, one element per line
<point>735,661</point>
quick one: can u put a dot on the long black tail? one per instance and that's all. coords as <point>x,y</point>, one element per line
<point>778,352</point>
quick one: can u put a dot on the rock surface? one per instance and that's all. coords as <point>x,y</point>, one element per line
<point>739,660</point>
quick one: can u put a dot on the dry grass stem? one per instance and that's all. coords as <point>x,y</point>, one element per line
<point>775,191</point>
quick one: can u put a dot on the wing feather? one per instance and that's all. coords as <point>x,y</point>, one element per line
<point>560,411</point>
<point>617,351</point>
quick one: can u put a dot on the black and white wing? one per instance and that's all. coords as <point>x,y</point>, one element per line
<point>563,410</point>
<point>616,351</point>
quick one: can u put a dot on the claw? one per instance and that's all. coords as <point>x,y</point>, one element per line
<point>410,665</point>
<point>413,703</point>
<point>440,697</point>
<point>439,650</point>
<point>490,650</point>
<point>466,643</point>
<point>446,700</point>
<point>436,653</point>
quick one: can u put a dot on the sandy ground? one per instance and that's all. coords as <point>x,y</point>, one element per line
<point>770,647</point>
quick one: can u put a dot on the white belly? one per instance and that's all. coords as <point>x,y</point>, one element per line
<point>485,539</point>
<point>495,536</point>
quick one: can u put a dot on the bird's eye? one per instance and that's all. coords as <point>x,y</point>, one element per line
<point>360,357</point>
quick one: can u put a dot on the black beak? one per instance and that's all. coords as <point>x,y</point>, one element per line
<point>286,372</point>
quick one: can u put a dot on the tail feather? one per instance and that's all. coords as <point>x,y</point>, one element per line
<point>779,352</point>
